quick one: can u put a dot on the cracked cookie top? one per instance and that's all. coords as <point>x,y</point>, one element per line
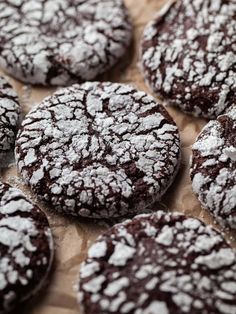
<point>26,247</point>
<point>98,150</point>
<point>55,42</point>
<point>189,55</point>
<point>213,169</point>
<point>161,263</point>
<point>9,117</point>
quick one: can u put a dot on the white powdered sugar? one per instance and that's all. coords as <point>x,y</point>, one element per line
<point>20,252</point>
<point>98,250</point>
<point>184,264</point>
<point>155,307</point>
<point>95,284</point>
<point>216,260</point>
<point>214,175</point>
<point>166,236</point>
<point>121,254</point>
<point>54,42</point>
<point>9,118</point>
<point>98,150</point>
<point>88,269</point>
<point>113,288</point>
<point>189,55</point>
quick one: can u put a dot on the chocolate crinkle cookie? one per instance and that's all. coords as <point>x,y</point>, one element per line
<point>189,55</point>
<point>99,150</point>
<point>55,42</point>
<point>213,168</point>
<point>9,118</point>
<point>162,263</point>
<point>26,248</point>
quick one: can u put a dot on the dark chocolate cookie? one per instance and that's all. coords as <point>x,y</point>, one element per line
<point>189,55</point>
<point>98,150</point>
<point>213,169</point>
<point>26,248</point>
<point>9,117</point>
<point>54,42</point>
<point>159,264</point>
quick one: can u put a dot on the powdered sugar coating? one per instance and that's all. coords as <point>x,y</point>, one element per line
<point>213,169</point>
<point>98,150</point>
<point>189,55</point>
<point>9,117</point>
<point>26,247</point>
<point>181,266</point>
<point>55,42</point>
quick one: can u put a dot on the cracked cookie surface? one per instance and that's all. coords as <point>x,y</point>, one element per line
<point>55,42</point>
<point>161,263</point>
<point>213,169</point>
<point>26,248</point>
<point>100,150</point>
<point>189,55</point>
<point>9,117</point>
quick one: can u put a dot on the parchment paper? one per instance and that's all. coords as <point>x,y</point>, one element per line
<point>73,237</point>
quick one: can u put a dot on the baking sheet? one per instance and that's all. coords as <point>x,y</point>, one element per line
<point>73,237</point>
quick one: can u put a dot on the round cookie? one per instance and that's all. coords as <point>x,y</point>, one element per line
<point>161,263</point>
<point>26,248</point>
<point>55,42</point>
<point>9,117</point>
<point>213,168</point>
<point>100,150</point>
<point>189,55</point>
